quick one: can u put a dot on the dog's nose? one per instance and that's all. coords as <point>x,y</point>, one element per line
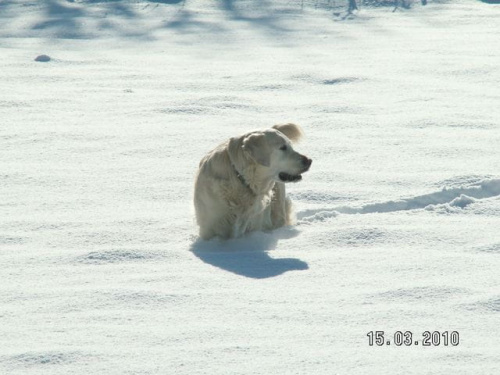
<point>306,161</point>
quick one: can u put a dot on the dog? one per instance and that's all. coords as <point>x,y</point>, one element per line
<point>240,185</point>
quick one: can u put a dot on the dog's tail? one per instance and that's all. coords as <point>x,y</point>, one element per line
<point>292,131</point>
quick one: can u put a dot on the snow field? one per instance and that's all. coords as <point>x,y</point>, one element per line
<point>398,218</point>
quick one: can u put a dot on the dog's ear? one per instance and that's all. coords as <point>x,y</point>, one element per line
<point>255,145</point>
<point>235,152</point>
<point>292,131</point>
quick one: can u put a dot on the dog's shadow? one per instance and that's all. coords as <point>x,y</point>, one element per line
<point>249,256</point>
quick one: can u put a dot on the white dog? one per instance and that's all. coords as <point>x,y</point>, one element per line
<point>240,186</point>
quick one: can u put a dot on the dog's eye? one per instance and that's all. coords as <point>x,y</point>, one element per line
<point>283,148</point>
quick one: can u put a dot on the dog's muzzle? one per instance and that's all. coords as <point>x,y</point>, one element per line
<point>286,177</point>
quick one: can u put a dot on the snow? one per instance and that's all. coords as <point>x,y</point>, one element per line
<point>101,267</point>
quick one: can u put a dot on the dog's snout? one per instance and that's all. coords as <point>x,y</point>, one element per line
<point>306,161</point>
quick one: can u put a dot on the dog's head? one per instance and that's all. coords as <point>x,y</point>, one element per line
<point>272,149</point>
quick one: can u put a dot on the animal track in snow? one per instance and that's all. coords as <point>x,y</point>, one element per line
<point>458,197</point>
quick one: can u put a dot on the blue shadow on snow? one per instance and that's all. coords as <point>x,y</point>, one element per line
<point>249,256</point>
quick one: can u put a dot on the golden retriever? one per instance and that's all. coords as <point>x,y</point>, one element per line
<point>240,185</point>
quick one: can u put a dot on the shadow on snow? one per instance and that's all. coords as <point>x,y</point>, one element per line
<point>70,18</point>
<point>249,256</point>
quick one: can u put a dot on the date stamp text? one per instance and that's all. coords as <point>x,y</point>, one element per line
<point>407,338</point>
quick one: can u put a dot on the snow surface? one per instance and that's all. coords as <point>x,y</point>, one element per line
<point>398,220</point>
